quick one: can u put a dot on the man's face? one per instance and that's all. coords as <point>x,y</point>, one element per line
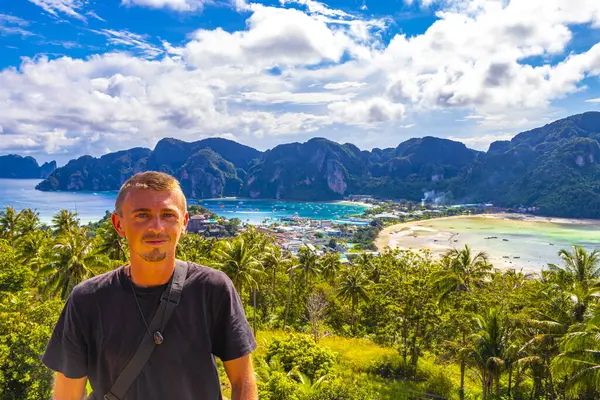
<point>152,222</point>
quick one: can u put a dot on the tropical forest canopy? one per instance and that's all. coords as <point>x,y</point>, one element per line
<point>396,326</point>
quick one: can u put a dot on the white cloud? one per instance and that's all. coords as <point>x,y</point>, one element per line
<point>343,85</point>
<point>366,112</point>
<point>67,7</point>
<point>315,7</point>
<point>132,40</point>
<point>297,98</point>
<point>303,70</point>
<point>472,56</point>
<point>94,15</point>
<point>260,123</point>
<point>11,25</point>
<point>483,142</point>
<point>475,117</point>
<point>275,36</point>
<point>177,5</point>
<point>593,100</point>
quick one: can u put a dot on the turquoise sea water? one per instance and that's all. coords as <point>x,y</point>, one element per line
<point>21,193</point>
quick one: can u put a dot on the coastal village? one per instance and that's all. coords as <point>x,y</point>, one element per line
<point>348,236</point>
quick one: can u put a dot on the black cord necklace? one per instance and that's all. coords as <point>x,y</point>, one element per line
<point>156,336</point>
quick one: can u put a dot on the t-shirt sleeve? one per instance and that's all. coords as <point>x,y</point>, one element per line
<point>66,351</point>
<point>232,336</point>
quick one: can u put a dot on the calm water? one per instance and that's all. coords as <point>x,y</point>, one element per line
<point>21,193</point>
<point>510,243</point>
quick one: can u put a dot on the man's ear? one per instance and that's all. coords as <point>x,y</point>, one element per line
<point>117,224</point>
<point>186,219</point>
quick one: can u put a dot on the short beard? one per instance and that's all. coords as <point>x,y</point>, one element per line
<point>154,256</point>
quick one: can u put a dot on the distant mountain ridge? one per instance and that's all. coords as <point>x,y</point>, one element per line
<point>554,167</point>
<point>18,167</point>
<point>202,171</point>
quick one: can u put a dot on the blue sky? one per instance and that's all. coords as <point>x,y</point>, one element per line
<point>89,76</point>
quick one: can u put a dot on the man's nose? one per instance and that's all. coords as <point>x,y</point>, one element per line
<point>156,224</point>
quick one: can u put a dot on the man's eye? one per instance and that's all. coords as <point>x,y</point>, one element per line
<point>141,215</point>
<point>169,215</point>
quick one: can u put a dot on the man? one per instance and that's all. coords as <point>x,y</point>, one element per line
<point>106,317</point>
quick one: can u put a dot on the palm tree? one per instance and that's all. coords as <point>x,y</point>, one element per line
<point>330,266</point>
<point>273,260</point>
<point>580,266</point>
<point>74,260</point>
<point>255,239</point>
<point>289,293</point>
<point>31,248</point>
<point>354,285</point>
<point>490,341</point>
<point>461,273</point>
<point>552,319</point>
<point>196,248</point>
<point>580,277</point>
<point>65,221</point>
<point>29,221</point>
<point>9,224</point>
<point>239,262</point>
<point>111,243</point>
<point>309,263</point>
<point>579,360</point>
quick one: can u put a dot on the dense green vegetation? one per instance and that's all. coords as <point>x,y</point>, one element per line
<point>398,326</point>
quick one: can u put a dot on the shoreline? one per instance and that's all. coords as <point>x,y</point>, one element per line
<point>353,203</point>
<point>416,235</point>
<point>341,202</point>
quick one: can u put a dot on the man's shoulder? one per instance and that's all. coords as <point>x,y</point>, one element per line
<point>207,276</point>
<point>97,284</point>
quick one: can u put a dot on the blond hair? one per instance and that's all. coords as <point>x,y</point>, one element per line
<point>152,180</point>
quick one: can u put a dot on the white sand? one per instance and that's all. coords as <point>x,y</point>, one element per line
<point>530,252</point>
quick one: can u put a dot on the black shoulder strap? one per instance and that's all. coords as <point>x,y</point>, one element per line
<point>168,302</point>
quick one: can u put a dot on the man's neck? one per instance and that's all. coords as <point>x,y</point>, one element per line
<point>146,274</point>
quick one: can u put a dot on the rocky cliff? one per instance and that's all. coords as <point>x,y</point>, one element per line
<point>201,170</point>
<point>318,169</point>
<point>96,174</point>
<point>555,167</point>
<point>15,166</point>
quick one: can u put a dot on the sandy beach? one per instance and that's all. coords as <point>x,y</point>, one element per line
<point>511,240</point>
<point>353,203</point>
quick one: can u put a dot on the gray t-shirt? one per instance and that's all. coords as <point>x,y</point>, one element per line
<point>100,329</point>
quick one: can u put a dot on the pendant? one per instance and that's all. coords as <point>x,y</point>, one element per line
<point>158,337</point>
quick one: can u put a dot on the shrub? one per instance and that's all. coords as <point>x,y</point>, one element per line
<point>389,367</point>
<point>279,387</point>
<point>340,390</point>
<point>302,352</point>
<point>433,378</point>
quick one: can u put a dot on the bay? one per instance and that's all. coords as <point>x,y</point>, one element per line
<point>512,241</point>
<point>91,206</point>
